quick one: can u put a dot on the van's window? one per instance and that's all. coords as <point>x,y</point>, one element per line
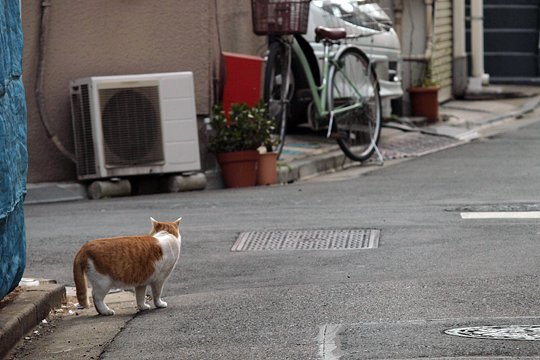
<point>354,12</point>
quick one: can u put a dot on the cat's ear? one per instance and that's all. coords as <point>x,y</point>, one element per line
<point>177,222</point>
<point>154,221</point>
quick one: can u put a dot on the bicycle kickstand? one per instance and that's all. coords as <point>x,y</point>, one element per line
<point>380,157</point>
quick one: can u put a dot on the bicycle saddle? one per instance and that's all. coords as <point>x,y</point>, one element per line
<point>324,33</point>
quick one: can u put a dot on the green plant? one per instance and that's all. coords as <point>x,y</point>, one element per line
<point>246,128</point>
<point>427,78</point>
<point>267,127</point>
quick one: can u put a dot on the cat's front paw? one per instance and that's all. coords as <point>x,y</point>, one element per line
<point>143,307</point>
<point>160,304</point>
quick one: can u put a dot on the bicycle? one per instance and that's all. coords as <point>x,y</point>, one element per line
<point>347,101</point>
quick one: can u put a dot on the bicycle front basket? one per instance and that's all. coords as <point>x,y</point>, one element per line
<point>280,17</point>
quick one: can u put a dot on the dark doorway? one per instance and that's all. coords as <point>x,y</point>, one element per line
<point>511,42</point>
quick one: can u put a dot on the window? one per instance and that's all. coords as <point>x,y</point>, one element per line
<point>359,13</point>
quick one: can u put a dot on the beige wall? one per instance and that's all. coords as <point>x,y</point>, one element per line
<point>104,37</point>
<point>236,29</point>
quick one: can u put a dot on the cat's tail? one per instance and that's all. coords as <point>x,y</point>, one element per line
<point>79,275</point>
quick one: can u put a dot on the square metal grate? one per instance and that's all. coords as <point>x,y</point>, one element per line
<point>342,239</point>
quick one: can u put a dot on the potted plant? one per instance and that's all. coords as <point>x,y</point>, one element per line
<point>235,139</point>
<point>424,96</point>
<point>267,170</point>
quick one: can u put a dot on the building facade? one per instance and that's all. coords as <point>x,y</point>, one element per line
<point>78,39</point>
<point>100,38</point>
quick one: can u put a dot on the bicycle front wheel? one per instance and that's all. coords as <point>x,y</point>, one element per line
<point>354,103</point>
<point>278,89</point>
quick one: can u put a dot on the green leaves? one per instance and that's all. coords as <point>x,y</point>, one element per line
<point>248,128</point>
<point>427,80</point>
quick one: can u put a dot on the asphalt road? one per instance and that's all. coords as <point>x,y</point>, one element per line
<point>432,270</point>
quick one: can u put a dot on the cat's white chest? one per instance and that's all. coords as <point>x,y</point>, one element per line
<point>171,247</point>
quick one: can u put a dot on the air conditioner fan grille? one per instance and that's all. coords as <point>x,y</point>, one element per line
<point>131,123</point>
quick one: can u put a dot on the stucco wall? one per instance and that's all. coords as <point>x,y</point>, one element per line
<point>104,37</point>
<point>413,35</point>
<point>236,29</point>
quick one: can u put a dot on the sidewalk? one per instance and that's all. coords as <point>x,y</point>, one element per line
<point>305,156</point>
<point>461,121</point>
<point>70,326</point>
<point>26,307</point>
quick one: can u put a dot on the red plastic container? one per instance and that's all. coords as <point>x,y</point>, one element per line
<point>243,79</point>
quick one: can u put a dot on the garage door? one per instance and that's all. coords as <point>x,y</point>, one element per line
<point>511,40</point>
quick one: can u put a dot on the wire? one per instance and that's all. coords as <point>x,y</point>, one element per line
<point>40,75</point>
<point>218,72</point>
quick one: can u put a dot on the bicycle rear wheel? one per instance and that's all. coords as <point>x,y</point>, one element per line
<point>352,80</point>
<point>278,89</point>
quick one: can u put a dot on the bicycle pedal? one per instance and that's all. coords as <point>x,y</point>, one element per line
<point>303,95</point>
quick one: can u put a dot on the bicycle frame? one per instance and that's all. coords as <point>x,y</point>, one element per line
<point>320,93</point>
<point>345,84</point>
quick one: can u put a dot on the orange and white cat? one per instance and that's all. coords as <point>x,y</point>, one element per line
<point>128,262</point>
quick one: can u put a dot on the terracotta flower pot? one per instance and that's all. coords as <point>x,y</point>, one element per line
<point>424,102</point>
<point>267,174</point>
<point>239,168</point>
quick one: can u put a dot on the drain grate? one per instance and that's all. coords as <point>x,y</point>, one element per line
<point>508,332</point>
<point>349,239</point>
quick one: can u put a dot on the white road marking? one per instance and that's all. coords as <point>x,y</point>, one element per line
<point>501,215</point>
<point>329,342</point>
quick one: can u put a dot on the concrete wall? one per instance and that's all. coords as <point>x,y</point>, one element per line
<point>413,35</point>
<point>236,29</point>
<point>103,37</point>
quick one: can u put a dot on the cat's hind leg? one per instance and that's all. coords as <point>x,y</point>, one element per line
<point>99,291</point>
<point>157,288</point>
<point>140,295</point>
<point>98,295</point>
<point>101,284</point>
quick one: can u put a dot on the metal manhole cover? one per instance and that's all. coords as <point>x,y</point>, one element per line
<point>505,332</point>
<point>350,239</point>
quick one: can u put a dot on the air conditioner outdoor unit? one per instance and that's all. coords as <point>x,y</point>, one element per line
<point>134,125</point>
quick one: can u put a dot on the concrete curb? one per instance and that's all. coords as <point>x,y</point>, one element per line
<point>318,163</point>
<point>333,161</point>
<point>44,193</point>
<point>26,311</point>
<point>312,166</point>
